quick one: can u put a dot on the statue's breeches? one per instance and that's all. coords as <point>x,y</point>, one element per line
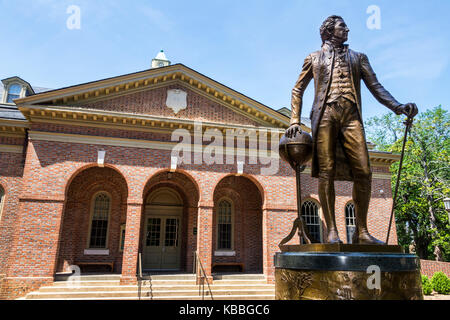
<point>341,125</point>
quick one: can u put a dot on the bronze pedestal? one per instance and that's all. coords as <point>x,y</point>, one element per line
<point>345,272</point>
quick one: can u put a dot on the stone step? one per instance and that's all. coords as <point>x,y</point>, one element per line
<point>88,277</point>
<point>157,287</point>
<point>216,297</point>
<point>188,276</point>
<point>240,281</point>
<point>237,276</point>
<point>107,283</point>
<point>130,294</point>
<point>154,288</point>
<point>86,283</point>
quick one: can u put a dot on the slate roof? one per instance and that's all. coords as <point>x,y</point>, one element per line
<point>10,111</point>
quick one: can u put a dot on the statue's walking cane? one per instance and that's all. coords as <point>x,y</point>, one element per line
<point>408,124</point>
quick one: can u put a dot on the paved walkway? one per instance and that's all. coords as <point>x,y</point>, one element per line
<point>436,296</point>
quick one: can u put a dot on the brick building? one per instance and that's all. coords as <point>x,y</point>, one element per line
<point>88,174</point>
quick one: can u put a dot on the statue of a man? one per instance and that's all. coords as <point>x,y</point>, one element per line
<point>339,145</point>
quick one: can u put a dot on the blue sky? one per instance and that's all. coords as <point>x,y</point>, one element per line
<point>254,47</point>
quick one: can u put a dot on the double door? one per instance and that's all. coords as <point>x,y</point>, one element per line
<point>162,243</point>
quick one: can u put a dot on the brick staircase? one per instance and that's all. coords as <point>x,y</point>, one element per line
<point>157,287</point>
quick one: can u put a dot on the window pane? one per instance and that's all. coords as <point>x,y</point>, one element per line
<point>171,239</point>
<point>310,215</point>
<point>12,97</point>
<point>224,226</point>
<point>15,89</point>
<point>99,226</point>
<point>122,239</point>
<point>153,232</point>
<point>350,221</point>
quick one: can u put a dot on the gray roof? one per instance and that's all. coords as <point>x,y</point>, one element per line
<point>40,89</point>
<point>10,112</point>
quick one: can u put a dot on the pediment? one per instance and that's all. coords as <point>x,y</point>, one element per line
<point>147,93</point>
<point>173,101</point>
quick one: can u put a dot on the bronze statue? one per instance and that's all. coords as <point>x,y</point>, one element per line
<point>339,145</point>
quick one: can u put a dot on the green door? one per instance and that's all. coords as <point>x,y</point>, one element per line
<point>161,246</point>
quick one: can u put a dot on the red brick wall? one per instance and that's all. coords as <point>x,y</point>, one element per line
<point>153,102</point>
<point>246,201</point>
<point>77,215</point>
<point>11,168</point>
<point>430,267</point>
<point>11,171</point>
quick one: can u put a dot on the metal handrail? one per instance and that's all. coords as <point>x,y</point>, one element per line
<point>139,276</point>
<point>202,277</point>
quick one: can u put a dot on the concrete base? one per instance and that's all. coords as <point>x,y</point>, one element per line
<point>377,273</point>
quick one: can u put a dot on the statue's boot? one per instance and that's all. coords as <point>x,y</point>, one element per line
<point>333,237</point>
<point>327,199</point>
<point>361,197</point>
<point>365,238</point>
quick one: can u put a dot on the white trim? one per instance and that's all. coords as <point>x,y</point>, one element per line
<point>96,252</point>
<point>148,118</point>
<point>134,143</point>
<point>11,148</point>
<point>223,253</point>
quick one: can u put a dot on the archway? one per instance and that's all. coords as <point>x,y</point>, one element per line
<point>93,220</point>
<point>169,222</point>
<point>237,226</point>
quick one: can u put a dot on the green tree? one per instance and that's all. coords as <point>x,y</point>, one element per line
<point>420,215</point>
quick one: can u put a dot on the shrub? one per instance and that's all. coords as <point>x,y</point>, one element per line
<point>426,285</point>
<point>440,283</point>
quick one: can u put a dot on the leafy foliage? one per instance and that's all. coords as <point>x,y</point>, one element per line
<point>440,283</point>
<point>420,215</point>
<point>426,285</point>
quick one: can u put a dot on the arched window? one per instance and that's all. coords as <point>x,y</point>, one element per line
<point>310,215</point>
<point>2,200</point>
<point>224,226</point>
<point>14,91</point>
<point>350,221</point>
<point>101,207</point>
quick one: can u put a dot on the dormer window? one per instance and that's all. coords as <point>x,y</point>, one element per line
<point>14,92</point>
<point>15,88</point>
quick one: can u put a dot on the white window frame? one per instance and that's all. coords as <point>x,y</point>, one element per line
<point>122,237</point>
<point>91,216</point>
<point>2,200</point>
<point>21,93</point>
<point>319,216</point>
<point>222,251</point>
<point>348,204</point>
